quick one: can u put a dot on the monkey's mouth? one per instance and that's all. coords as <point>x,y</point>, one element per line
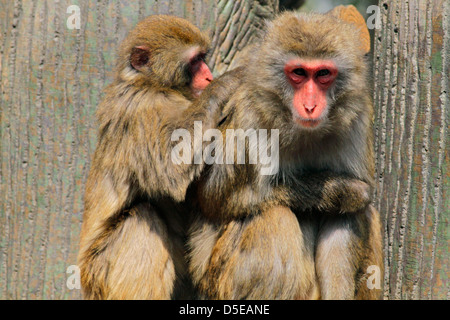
<point>308,123</point>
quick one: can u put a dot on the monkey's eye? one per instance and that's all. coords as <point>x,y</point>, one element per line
<point>300,72</point>
<point>198,58</point>
<point>323,72</point>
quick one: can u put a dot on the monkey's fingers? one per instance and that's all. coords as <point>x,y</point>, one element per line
<point>354,196</point>
<point>344,195</point>
<point>218,93</point>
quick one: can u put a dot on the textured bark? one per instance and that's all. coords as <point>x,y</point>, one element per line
<point>52,79</point>
<point>238,23</point>
<point>411,94</point>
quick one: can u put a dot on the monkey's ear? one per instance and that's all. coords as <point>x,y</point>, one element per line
<point>140,56</point>
<point>351,15</point>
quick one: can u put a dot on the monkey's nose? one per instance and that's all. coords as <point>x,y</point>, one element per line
<point>310,108</point>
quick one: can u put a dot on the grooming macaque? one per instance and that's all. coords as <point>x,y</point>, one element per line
<point>308,231</point>
<point>133,226</point>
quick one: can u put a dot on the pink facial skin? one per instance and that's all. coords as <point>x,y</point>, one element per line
<point>310,80</point>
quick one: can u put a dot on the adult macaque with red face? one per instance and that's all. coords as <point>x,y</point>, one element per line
<point>308,230</point>
<point>132,238</point>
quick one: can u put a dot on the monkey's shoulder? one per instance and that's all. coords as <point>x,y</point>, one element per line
<point>253,107</point>
<point>131,97</point>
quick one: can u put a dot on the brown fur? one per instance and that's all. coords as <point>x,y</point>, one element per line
<point>246,242</point>
<point>134,225</point>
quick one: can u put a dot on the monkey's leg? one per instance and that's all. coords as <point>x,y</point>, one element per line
<point>369,281</point>
<point>135,260</point>
<point>266,256</point>
<point>347,245</point>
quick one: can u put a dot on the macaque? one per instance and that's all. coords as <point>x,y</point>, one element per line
<point>307,230</point>
<point>133,232</point>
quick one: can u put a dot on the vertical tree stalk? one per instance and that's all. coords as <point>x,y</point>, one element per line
<point>411,70</point>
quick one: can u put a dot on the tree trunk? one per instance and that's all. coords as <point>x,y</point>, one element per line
<point>52,79</point>
<point>411,95</point>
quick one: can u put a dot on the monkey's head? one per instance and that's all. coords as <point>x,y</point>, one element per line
<point>168,52</point>
<point>313,62</point>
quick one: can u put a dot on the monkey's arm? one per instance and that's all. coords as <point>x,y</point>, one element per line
<point>326,191</point>
<point>173,171</point>
<point>217,94</point>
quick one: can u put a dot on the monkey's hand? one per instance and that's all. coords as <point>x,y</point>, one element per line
<point>218,93</point>
<point>323,191</point>
<point>345,195</point>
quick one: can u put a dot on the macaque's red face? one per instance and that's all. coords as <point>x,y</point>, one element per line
<point>192,72</point>
<point>201,75</point>
<point>311,80</point>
